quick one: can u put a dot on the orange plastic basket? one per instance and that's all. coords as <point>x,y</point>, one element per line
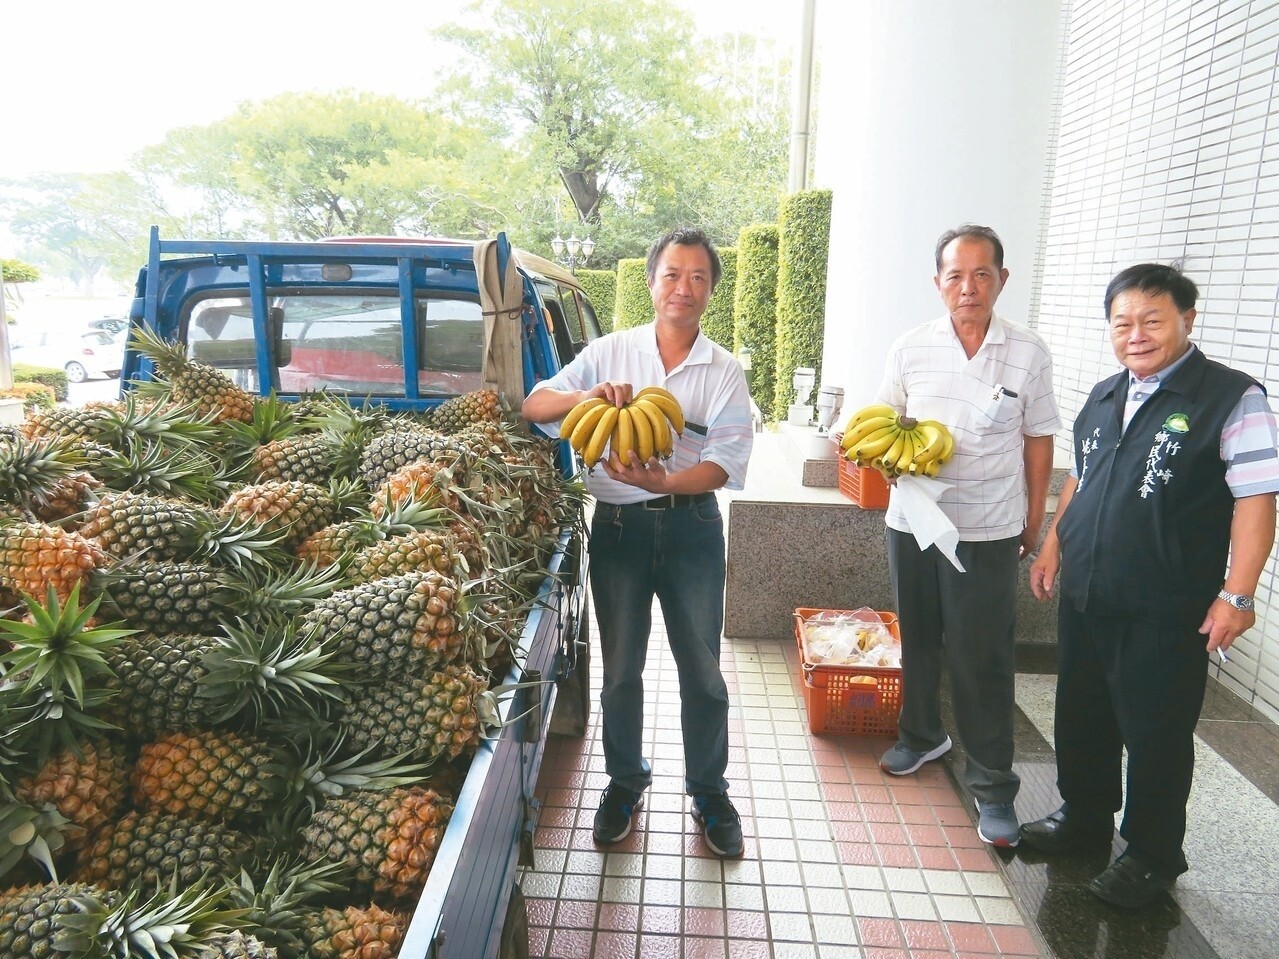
<point>854,700</point>
<point>864,485</point>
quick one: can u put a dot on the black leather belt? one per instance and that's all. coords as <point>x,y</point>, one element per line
<point>675,500</point>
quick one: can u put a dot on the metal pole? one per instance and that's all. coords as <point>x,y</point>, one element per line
<point>801,112</point>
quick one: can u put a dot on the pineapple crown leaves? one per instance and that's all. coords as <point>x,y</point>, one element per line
<point>39,722</point>
<point>272,906</point>
<point>272,593</point>
<point>171,924</point>
<point>268,670</point>
<point>169,358</point>
<point>151,467</point>
<point>139,421</point>
<point>58,648</point>
<point>34,831</point>
<point>31,469</point>
<point>320,772</point>
<point>240,543</point>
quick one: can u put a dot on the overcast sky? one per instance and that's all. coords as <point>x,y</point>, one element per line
<point>86,84</point>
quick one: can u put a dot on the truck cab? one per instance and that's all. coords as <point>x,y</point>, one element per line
<point>410,324</point>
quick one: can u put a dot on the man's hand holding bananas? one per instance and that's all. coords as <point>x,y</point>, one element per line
<point>636,430</point>
<point>896,444</point>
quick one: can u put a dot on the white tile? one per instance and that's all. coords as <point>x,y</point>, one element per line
<point>779,898</point>
<point>822,874</point>
<point>663,867</point>
<point>739,896</point>
<point>834,929</point>
<point>865,902</point>
<point>832,901</point>
<point>815,850</point>
<point>704,895</point>
<point>999,912</point>
<point>914,905</point>
<point>623,864</point>
<point>541,885</point>
<point>621,889</point>
<point>945,883</point>
<point>741,871</point>
<point>862,877</point>
<point>956,909</point>
<point>782,873</point>
<point>986,884</point>
<point>790,927</point>
<point>663,892</point>
<point>904,880</point>
<point>697,869</point>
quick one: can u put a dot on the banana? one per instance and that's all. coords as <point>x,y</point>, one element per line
<point>663,443</point>
<point>934,443</point>
<point>868,412</point>
<point>594,448</point>
<point>888,459</point>
<point>903,461</point>
<point>574,416</point>
<point>856,434</point>
<point>624,436</point>
<point>585,427</point>
<point>645,445</point>
<point>875,444</point>
<point>931,468</point>
<point>666,403</point>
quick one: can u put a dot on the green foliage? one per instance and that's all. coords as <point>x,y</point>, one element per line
<point>634,304</point>
<point>803,248</point>
<point>34,396</point>
<point>755,307</point>
<point>15,271</point>
<point>55,380</point>
<point>601,290</point>
<point>717,321</point>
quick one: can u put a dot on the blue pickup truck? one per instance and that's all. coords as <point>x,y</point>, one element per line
<point>410,324</point>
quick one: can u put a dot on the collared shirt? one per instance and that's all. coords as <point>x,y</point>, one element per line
<point>1248,440</point>
<point>990,403</point>
<point>709,385</point>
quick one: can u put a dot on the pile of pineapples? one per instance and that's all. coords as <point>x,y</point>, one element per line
<point>247,650</point>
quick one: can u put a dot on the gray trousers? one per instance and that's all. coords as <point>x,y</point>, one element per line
<point>964,622</point>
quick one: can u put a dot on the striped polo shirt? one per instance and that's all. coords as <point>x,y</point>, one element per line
<point>989,402</point>
<point>709,385</point>
<point>1248,440</point>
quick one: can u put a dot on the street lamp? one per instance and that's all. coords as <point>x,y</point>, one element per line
<point>572,252</point>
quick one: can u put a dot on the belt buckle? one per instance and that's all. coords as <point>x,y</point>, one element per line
<point>662,502</point>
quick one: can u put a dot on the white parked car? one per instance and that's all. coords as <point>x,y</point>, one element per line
<point>98,354</point>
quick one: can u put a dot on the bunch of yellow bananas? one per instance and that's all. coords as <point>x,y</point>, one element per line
<point>895,444</point>
<point>642,427</point>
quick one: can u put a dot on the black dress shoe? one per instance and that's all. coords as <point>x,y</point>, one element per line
<point>1129,883</point>
<point>1061,832</point>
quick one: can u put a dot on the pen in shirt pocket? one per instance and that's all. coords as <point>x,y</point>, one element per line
<point>1000,391</point>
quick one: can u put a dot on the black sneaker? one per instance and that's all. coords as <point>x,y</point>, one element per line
<point>613,818</point>
<point>721,826</point>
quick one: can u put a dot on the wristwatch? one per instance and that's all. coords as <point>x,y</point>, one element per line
<point>1242,603</point>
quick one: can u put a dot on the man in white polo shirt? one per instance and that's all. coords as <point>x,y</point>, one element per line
<point>657,531</point>
<point>990,381</point>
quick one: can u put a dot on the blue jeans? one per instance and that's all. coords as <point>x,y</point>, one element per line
<point>676,555</point>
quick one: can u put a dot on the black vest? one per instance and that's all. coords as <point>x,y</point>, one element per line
<point>1147,533</point>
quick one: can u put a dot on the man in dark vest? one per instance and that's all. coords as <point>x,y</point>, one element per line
<point>1161,534</point>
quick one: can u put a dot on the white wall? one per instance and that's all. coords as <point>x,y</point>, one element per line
<point>930,113</point>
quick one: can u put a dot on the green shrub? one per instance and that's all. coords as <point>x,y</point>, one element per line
<point>601,290</point>
<point>717,321</point>
<point>803,247</point>
<point>34,396</point>
<point>56,380</point>
<point>634,305</point>
<point>755,307</point>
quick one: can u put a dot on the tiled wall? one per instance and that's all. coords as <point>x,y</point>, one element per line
<point>1168,149</point>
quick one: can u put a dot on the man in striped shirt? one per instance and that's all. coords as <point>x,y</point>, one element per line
<point>657,531</point>
<point>990,382</point>
<point>1161,534</point>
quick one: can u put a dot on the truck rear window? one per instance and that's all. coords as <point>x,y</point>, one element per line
<point>344,342</point>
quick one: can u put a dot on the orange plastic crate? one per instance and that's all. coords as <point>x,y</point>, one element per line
<point>863,485</point>
<point>855,700</point>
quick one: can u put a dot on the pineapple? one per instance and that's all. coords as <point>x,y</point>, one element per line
<point>34,832</point>
<point>387,839</point>
<point>31,917</point>
<point>147,848</point>
<point>209,391</point>
<point>394,449</point>
<point>423,550</point>
<point>36,556</point>
<point>184,472</point>
<point>430,483</point>
<point>353,933</point>
<point>431,719</point>
<point>478,406</point>
<point>235,945</point>
<point>41,477</point>
<point>293,509</point>
<point>70,422</point>
<point>340,541</point>
<point>233,778</point>
<point>185,683</point>
<point>391,625</point>
<point>87,785</point>
<point>169,598</point>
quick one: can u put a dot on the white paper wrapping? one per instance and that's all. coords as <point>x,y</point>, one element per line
<point>917,497</point>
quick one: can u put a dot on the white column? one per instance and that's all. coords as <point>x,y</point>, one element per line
<point>931,113</point>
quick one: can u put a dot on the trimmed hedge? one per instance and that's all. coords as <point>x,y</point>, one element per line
<point>34,396</point>
<point>634,304</point>
<point>755,307</point>
<point>803,224</point>
<point>717,321</point>
<point>601,290</point>
<point>56,380</point>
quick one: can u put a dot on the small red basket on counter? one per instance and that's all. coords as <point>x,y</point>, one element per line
<point>855,700</point>
<point>864,485</point>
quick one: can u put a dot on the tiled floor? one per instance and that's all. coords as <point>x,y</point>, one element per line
<point>841,860</point>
